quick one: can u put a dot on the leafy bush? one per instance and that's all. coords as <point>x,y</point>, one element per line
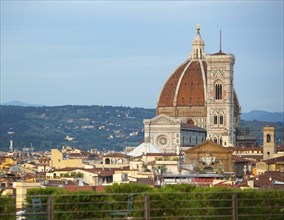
<point>70,205</point>
<point>255,204</point>
<point>7,208</point>
<point>128,188</point>
<point>170,202</point>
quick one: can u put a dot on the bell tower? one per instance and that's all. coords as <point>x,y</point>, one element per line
<point>269,147</point>
<point>221,126</point>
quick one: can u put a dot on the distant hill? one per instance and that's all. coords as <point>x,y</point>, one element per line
<point>19,103</point>
<point>87,127</point>
<point>253,115</point>
<point>263,116</point>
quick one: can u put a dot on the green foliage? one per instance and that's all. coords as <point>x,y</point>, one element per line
<point>170,202</point>
<point>120,192</point>
<point>42,194</point>
<point>45,191</point>
<point>80,205</point>
<point>7,208</point>
<point>264,203</point>
<point>178,188</point>
<point>128,188</point>
<point>90,126</point>
<point>71,205</point>
<point>216,201</point>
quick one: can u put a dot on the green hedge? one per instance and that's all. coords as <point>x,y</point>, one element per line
<point>71,205</point>
<point>7,208</point>
<point>267,204</point>
<point>181,201</point>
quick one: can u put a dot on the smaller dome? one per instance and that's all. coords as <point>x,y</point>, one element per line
<point>144,148</point>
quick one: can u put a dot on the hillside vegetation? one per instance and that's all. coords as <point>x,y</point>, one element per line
<point>102,127</point>
<point>86,127</point>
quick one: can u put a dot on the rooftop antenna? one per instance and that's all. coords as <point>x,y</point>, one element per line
<point>220,40</point>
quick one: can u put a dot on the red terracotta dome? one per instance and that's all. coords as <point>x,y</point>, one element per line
<point>185,87</point>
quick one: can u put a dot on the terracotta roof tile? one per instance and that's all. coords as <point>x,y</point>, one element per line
<point>269,180</point>
<point>146,181</point>
<point>275,160</point>
<point>105,172</point>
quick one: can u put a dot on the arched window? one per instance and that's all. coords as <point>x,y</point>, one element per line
<point>215,120</point>
<point>215,140</point>
<point>268,138</point>
<point>218,91</point>
<point>107,161</point>
<point>221,119</point>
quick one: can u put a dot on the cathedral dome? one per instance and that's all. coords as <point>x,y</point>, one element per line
<point>186,86</point>
<point>185,89</point>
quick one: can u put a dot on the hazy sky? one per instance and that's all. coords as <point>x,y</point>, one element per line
<point>121,53</point>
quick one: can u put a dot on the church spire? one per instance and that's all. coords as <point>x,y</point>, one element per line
<point>197,46</point>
